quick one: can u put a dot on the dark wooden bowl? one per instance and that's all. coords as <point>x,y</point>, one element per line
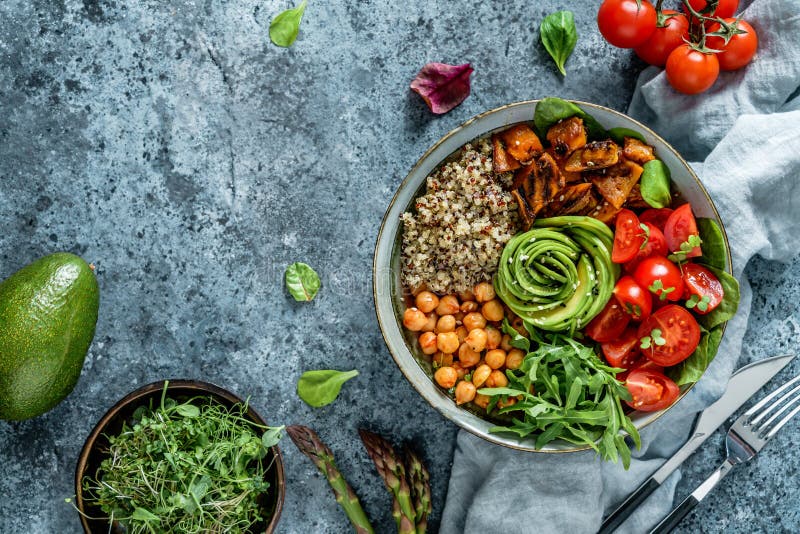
<point>111,424</point>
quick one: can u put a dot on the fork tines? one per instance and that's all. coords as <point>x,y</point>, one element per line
<point>765,407</point>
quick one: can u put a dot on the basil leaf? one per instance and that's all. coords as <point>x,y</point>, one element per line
<point>321,387</point>
<point>550,110</point>
<point>303,282</point>
<point>730,300</point>
<point>558,34</point>
<point>272,435</point>
<point>619,134</point>
<point>715,252</point>
<point>284,27</point>
<point>692,368</point>
<point>654,184</point>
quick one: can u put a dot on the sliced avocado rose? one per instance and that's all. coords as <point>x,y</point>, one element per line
<point>558,275</point>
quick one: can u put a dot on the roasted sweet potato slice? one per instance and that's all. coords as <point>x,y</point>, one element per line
<point>605,212</point>
<point>548,174</point>
<point>522,143</point>
<point>635,200</point>
<point>595,155</point>
<point>501,160</point>
<point>568,176</point>
<point>638,151</point>
<point>571,200</point>
<point>525,214</point>
<point>567,136</point>
<point>615,183</point>
<point>522,177</point>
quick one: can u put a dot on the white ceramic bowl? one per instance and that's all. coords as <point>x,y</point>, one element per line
<point>387,289</point>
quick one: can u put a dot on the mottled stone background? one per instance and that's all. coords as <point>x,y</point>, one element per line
<point>172,145</point>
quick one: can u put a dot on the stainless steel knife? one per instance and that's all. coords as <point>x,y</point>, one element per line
<point>743,385</point>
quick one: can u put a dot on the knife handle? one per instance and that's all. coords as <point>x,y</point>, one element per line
<point>625,509</point>
<point>671,521</point>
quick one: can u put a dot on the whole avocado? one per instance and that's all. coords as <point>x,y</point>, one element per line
<point>48,314</point>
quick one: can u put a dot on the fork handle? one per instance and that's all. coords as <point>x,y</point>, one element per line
<point>671,521</point>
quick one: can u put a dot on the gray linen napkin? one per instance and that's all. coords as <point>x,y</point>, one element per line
<point>746,131</point>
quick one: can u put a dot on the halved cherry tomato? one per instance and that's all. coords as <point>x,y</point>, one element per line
<point>628,237</point>
<point>671,30</point>
<point>626,23</point>
<point>705,285</point>
<point>739,50</point>
<point>635,300</point>
<point>690,71</point>
<point>656,245</point>
<point>657,216</point>
<point>651,390</point>
<point>678,335</point>
<point>609,323</point>
<point>640,363</point>
<point>623,352</point>
<point>680,225</point>
<point>661,277</point>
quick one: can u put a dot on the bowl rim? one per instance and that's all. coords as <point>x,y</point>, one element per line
<point>202,388</point>
<point>397,357</point>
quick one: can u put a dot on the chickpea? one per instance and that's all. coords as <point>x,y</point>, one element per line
<point>430,326</point>
<point>480,374</point>
<point>466,295</point>
<point>493,337</point>
<point>511,401</point>
<point>462,333</point>
<point>448,305</point>
<point>476,339</point>
<point>414,320</point>
<point>495,358</point>
<point>446,377</point>
<point>484,292</point>
<point>427,301</point>
<point>427,342</point>
<point>514,359</point>
<point>474,320</point>
<point>465,392</point>
<point>447,342</point>
<point>493,310</point>
<point>518,325</point>
<point>496,380</point>
<point>460,370</point>
<point>469,306</point>
<point>467,356</point>
<point>443,360</point>
<point>446,323</point>
<point>481,400</point>
<point>505,343</point>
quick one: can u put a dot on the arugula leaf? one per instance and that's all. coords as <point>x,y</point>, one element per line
<point>550,110</point>
<point>285,26</point>
<point>715,253</point>
<point>558,34</point>
<point>730,300</point>
<point>655,184</point>
<point>321,387</point>
<point>619,134</point>
<point>302,281</point>
<point>517,341</point>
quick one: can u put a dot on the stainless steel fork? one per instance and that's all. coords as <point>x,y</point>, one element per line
<point>748,434</point>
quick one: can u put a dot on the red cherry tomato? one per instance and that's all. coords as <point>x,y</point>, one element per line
<point>628,237</point>
<point>725,8</point>
<point>680,225</point>
<point>656,245</point>
<point>622,352</point>
<point>674,334</point>
<point>640,363</point>
<point>691,72</point>
<point>661,277</point>
<point>624,23</point>
<point>651,390</point>
<point>740,48</point>
<point>634,299</point>
<point>657,216</point>
<point>704,284</point>
<point>666,38</point>
<point>609,323</point>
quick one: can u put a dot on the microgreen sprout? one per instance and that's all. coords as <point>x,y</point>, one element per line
<point>633,309</point>
<point>700,303</point>
<point>645,233</point>
<point>655,338</point>
<point>657,286</point>
<point>692,242</point>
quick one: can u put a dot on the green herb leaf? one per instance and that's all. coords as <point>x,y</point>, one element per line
<point>655,184</point>
<point>619,134</point>
<point>188,410</point>
<point>730,301</point>
<point>303,282</point>
<point>551,110</point>
<point>558,34</point>
<point>284,27</point>
<point>141,514</point>
<point>692,368</point>
<point>715,253</point>
<point>646,342</point>
<point>645,233</point>
<point>517,341</point>
<point>272,436</point>
<point>321,387</point>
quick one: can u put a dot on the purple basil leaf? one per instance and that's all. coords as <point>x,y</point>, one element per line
<point>442,86</point>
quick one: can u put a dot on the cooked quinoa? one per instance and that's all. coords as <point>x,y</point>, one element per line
<point>454,237</point>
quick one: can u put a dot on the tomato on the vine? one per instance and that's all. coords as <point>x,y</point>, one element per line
<point>628,237</point>
<point>690,71</point>
<point>661,277</point>
<point>669,335</point>
<point>704,288</point>
<point>635,300</point>
<point>624,351</point>
<point>609,323</point>
<point>651,390</point>
<point>725,8</point>
<point>671,30</point>
<point>679,227</point>
<point>656,245</point>
<point>657,216</point>
<point>626,23</point>
<point>739,50</point>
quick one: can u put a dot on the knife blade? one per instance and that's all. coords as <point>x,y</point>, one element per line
<point>742,385</point>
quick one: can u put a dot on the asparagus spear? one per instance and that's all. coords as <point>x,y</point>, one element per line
<point>309,444</point>
<point>394,477</point>
<point>420,489</point>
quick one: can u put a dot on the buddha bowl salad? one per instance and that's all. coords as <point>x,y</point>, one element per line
<point>556,281</point>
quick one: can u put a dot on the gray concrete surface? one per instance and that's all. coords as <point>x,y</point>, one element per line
<point>172,145</point>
